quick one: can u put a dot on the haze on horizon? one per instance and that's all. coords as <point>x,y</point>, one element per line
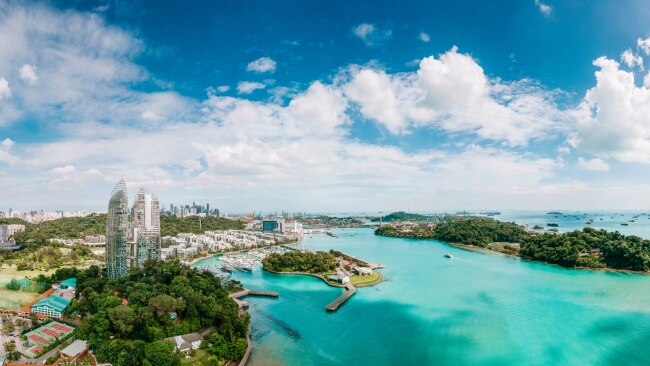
<point>332,107</point>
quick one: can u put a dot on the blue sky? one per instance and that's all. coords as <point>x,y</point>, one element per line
<point>331,106</point>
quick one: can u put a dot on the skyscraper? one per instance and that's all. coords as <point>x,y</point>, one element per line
<point>145,222</point>
<point>117,226</point>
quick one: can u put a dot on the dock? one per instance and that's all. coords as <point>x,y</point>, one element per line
<point>243,305</point>
<point>349,291</point>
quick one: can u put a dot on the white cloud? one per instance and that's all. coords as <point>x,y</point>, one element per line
<point>5,90</point>
<point>5,152</point>
<point>247,87</point>
<point>631,59</point>
<point>543,8</point>
<point>377,97</point>
<point>644,45</point>
<point>453,93</point>
<point>424,37</point>
<point>63,170</point>
<point>596,164</point>
<point>223,88</point>
<point>261,65</point>
<point>371,35</point>
<point>28,74</point>
<point>613,119</point>
<point>320,107</point>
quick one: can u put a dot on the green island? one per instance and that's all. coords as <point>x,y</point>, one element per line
<point>323,221</point>
<point>590,248</point>
<point>126,320</point>
<point>332,267</point>
<point>406,216</point>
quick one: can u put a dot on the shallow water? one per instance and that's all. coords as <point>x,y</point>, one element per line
<point>477,309</point>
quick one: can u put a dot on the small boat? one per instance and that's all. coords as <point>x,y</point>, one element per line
<point>448,255</point>
<point>552,224</point>
<point>624,223</point>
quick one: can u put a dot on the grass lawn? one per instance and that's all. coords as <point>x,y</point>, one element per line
<point>199,355</point>
<point>14,299</point>
<point>365,280</point>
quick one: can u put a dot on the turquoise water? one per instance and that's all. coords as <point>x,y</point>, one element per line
<point>477,309</point>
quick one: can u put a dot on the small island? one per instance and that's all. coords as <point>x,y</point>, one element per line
<point>334,268</point>
<point>587,248</point>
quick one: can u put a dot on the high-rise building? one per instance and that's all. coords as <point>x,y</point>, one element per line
<point>145,223</point>
<point>117,227</point>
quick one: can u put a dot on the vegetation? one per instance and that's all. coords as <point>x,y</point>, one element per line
<point>580,248</point>
<point>64,228</point>
<point>405,216</point>
<point>172,225</point>
<point>329,221</point>
<point>359,280</point>
<point>293,261</point>
<point>479,231</point>
<point>47,257</point>
<point>412,232</point>
<point>125,320</point>
<point>589,248</point>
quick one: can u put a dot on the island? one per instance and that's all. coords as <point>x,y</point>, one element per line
<point>587,248</point>
<point>334,268</point>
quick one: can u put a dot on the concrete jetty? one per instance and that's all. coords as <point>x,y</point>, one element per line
<point>349,291</point>
<point>243,305</point>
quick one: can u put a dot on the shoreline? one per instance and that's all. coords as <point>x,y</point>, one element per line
<point>474,248</point>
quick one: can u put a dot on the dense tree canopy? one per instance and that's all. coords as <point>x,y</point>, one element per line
<point>125,320</point>
<point>580,248</point>
<point>479,231</point>
<point>172,225</point>
<point>294,261</point>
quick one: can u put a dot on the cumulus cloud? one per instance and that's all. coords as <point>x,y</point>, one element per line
<point>644,45</point>
<point>596,164</point>
<point>261,65</point>
<point>613,119</point>
<point>543,8</point>
<point>631,59</point>
<point>247,87</point>
<point>28,74</point>
<point>5,152</point>
<point>453,93</point>
<point>424,37</point>
<point>5,90</point>
<point>371,35</point>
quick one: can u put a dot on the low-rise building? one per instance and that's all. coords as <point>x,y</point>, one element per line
<point>51,306</point>
<point>186,342</point>
<point>75,350</point>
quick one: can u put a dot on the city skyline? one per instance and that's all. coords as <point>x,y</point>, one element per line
<point>327,108</point>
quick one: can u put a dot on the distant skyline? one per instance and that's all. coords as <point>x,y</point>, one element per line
<point>327,107</point>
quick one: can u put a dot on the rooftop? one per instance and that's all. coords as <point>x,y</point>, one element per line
<point>70,282</point>
<point>75,348</point>
<point>56,302</point>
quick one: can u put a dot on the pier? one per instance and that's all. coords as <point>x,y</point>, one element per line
<point>349,291</point>
<point>243,305</point>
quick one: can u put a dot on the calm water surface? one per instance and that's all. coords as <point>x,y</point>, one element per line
<point>477,309</point>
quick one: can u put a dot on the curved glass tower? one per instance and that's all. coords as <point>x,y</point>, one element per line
<point>117,227</point>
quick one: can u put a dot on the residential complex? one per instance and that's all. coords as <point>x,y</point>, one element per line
<point>131,239</point>
<point>117,227</point>
<point>145,225</point>
<point>188,245</point>
<point>7,232</point>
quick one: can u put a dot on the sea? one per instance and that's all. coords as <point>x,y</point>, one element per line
<point>474,309</point>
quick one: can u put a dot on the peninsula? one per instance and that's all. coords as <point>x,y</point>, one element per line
<point>335,268</point>
<point>587,248</point>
